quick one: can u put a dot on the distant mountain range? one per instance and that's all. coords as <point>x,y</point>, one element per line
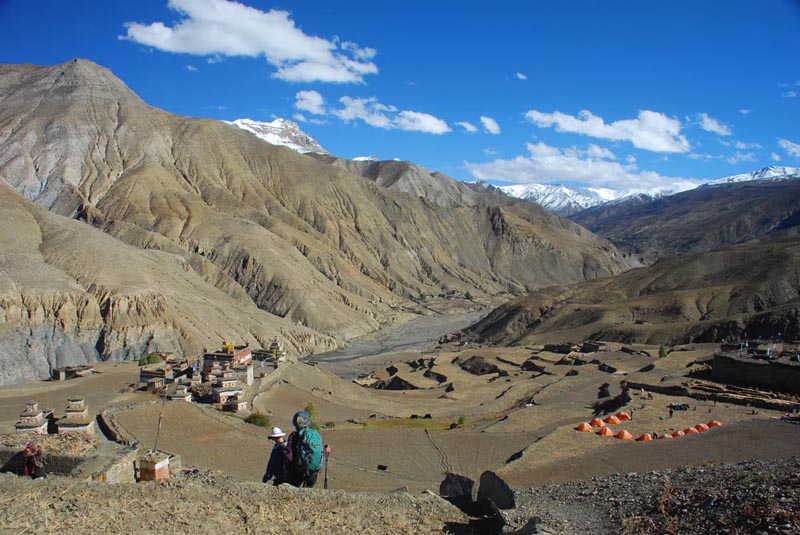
<point>567,201</point>
<point>563,200</point>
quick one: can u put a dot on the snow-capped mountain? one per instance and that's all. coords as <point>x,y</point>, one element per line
<point>561,199</point>
<point>566,201</point>
<point>773,172</point>
<point>281,132</point>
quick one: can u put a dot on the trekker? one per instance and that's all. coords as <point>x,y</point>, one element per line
<point>305,452</point>
<point>276,466</point>
<point>33,462</point>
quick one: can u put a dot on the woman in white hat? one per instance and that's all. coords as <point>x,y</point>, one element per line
<point>276,467</point>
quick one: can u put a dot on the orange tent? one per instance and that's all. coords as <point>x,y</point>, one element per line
<point>690,431</point>
<point>612,420</point>
<point>714,423</point>
<point>664,436</point>
<point>677,434</point>
<point>597,422</point>
<point>606,432</point>
<point>583,426</point>
<point>624,435</point>
<point>645,437</point>
<point>623,416</point>
<point>701,427</point>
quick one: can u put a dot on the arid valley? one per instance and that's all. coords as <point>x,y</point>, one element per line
<point>585,321</point>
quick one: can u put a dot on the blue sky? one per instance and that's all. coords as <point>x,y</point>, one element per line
<point>617,94</point>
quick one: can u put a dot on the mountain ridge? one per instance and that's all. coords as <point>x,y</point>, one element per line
<point>569,201</point>
<point>328,254</point>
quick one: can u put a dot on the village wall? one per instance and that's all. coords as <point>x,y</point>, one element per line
<point>774,375</point>
<point>11,461</point>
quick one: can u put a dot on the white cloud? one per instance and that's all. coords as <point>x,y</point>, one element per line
<point>310,101</point>
<point>389,117</point>
<point>696,156</point>
<point>775,156</point>
<point>631,159</point>
<point>745,111</point>
<point>521,76</point>
<point>789,94</point>
<point>469,127</point>
<point>709,124</point>
<point>651,130</point>
<point>491,151</point>
<point>547,163</point>
<point>415,121</point>
<point>368,110</point>
<point>740,156</point>
<point>741,145</point>
<point>300,117</point>
<point>793,149</point>
<point>598,153</point>
<point>190,68</point>
<point>490,125</point>
<point>219,28</point>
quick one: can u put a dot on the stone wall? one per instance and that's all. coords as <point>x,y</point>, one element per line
<point>781,375</point>
<point>11,461</point>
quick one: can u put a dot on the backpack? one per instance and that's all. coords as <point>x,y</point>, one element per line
<point>307,446</point>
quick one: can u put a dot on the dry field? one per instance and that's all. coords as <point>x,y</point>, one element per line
<point>516,422</point>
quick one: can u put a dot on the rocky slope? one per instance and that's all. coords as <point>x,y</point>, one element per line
<point>407,177</point>
<point>71,295</point>
<point>698,220</point>
<point>262,225</point>
<point>752,288</point>
<point>747,497</point>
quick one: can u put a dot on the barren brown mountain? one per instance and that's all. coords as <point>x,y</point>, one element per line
<point>698,220</point>
<point>327,254</point>
<point>750,289</point>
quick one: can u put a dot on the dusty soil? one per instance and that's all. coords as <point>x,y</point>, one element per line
<point>752,497</point>
<point>517,422</point>
<point>208,503</point>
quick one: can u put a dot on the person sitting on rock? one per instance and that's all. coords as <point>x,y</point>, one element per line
<point>276,467</point>
<point>33,462</point>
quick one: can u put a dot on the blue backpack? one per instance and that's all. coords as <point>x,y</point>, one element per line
<point>308,457</point>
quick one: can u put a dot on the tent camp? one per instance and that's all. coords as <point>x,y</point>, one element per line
<point>623,416</point>
<point>624,435</point>
<point>606,432</point>
<point>597,422</point>
<point>583,426</point>
<point>644,438</point>
<point>612,420</point>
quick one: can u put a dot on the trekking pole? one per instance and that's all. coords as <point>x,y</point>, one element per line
<point>327,451</point>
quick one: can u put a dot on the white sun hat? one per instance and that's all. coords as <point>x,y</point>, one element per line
<point>277,433</point>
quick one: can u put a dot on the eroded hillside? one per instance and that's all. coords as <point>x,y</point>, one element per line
<point>296,238</point>
<point>752,289</point>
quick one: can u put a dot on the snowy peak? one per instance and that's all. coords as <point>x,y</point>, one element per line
<point>773,172</point>
<point>281,132</point>
<point>566,201</point>
<point>561,199</point>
